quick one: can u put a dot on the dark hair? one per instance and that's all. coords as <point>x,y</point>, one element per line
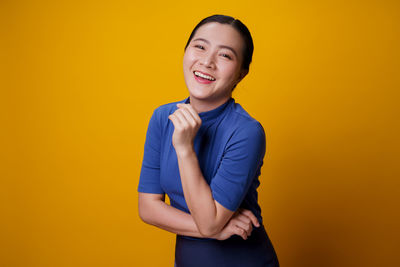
<point>239,26</point>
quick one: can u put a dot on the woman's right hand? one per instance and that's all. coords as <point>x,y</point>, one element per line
<point>240,224</point>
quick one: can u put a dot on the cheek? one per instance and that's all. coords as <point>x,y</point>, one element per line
<point>187,66</point>
<point>188,58</point>
<point>230,71</point>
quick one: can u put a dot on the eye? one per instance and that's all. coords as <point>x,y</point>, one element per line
<point>199,46</point>
<point>226,56</point>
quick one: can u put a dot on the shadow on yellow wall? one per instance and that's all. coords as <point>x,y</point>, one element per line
<point>79,81</point>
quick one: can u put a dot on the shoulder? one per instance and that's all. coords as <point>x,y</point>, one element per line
<point>246,137</point>
<point>242,123</point>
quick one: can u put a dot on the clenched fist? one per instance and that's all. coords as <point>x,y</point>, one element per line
<point>186,122</point>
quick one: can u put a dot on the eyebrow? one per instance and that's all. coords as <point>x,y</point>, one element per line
<point>220,46</point>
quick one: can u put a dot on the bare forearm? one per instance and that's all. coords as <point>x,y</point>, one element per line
<point>166,217</point>
<point>198,193</point>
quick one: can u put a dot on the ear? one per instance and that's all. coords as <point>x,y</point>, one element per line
<point>243,74</point>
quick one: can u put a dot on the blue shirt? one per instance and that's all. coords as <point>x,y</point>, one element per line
<point>230,147</point>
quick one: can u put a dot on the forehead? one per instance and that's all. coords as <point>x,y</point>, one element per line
<point>220,35</point>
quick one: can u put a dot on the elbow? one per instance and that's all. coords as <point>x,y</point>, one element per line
<point>148,206</point>
<point>146,217</point>
<point>145,212</point>
<point>143,216</point>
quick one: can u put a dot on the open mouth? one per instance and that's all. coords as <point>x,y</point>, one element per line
<point>203,76</point>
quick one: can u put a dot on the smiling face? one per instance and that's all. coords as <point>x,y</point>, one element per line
<point>212,65</point>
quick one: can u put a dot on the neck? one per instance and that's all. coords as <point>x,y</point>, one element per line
<point>207,105</point>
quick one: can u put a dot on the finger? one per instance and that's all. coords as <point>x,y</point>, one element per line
<point>183,121</point>
<point>192,111</point>
<point>244,218</point>
<point>251,216</point>
<point>248,227</point>
<point>175,121</point>
<point>192,117</point>
<point>239,231</point>
<point>188,116</point>
<point>245,223</point>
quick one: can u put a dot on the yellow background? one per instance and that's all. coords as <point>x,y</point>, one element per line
<point>80,79</point>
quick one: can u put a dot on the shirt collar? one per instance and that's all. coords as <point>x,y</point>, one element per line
<point>214,113</point>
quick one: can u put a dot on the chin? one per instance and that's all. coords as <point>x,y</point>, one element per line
<point>199,95</point>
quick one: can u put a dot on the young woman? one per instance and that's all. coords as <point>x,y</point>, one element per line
<point>206,153</point>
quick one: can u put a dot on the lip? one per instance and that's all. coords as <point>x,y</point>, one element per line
<point>202,80</point>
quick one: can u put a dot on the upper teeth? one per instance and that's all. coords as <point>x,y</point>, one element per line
<point>204,76</point>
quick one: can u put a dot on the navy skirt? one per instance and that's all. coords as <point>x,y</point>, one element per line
<point>256,251</point>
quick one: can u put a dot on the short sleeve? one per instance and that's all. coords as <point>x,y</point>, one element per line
<point>241,163</point>
<point>149,181</point>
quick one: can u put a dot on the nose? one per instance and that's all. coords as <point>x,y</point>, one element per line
<point>208,60</point>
